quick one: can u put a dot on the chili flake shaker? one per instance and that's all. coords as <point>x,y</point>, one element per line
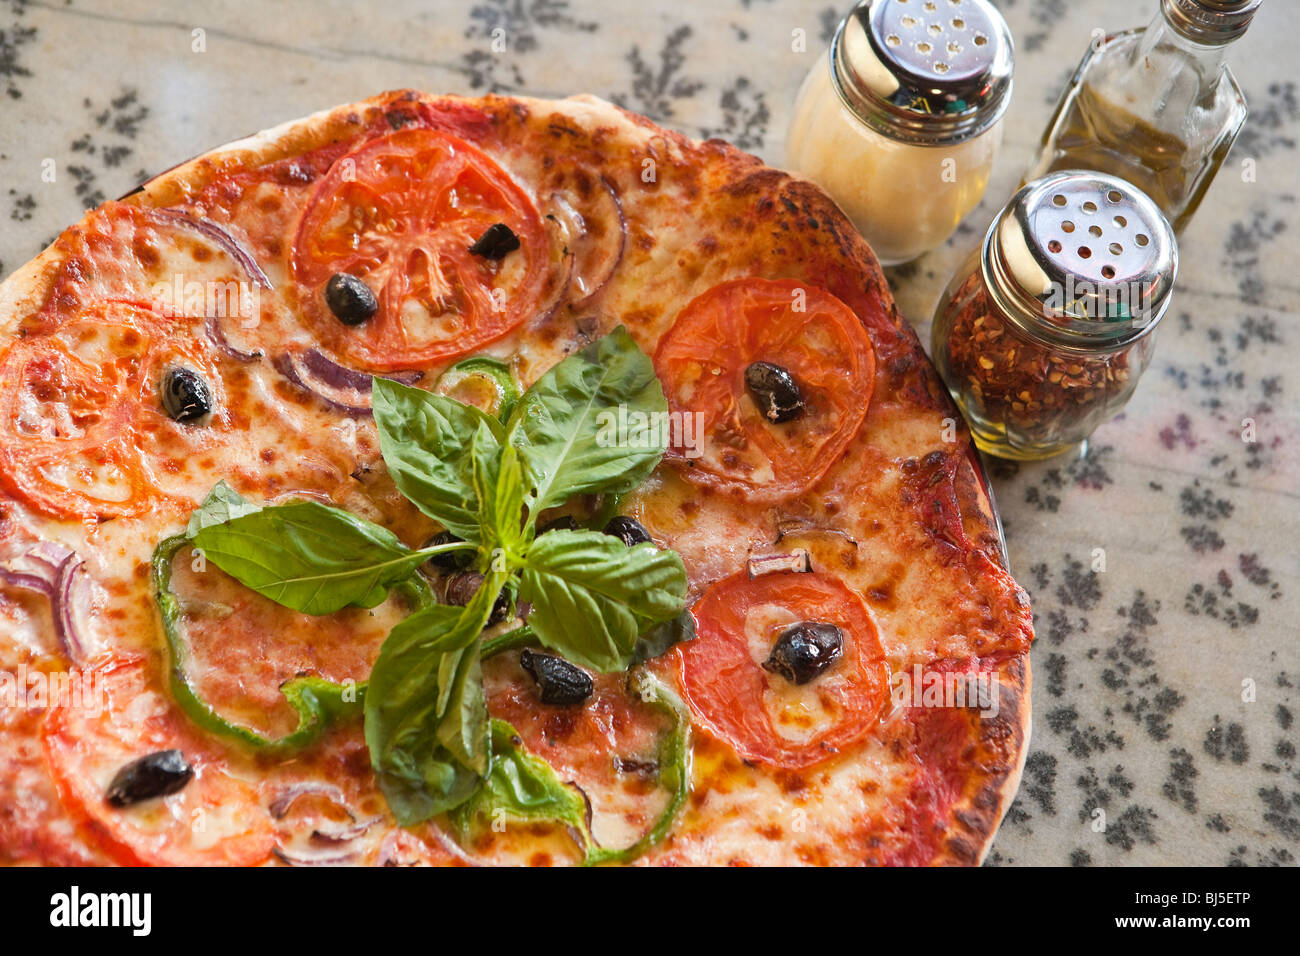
<point>901,119</point>
<point>1045,330</point>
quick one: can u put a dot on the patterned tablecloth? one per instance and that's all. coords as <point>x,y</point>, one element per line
<point>1167,685</point>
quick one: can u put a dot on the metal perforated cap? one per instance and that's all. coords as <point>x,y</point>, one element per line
<point>932,72</point>
<point>1082,256</point>
<point>1210,22</point>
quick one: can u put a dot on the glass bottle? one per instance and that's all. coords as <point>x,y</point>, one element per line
<point>1045,329</point>
<point>1157,106</point>
<point>901,119</point>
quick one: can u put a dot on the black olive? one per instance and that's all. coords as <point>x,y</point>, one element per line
<point>350,299</point>
<point>805,650</point>
<point>497,242</point>
<point>185,396</point>
<point>775,391</point>
<point>156,775</point>
<point>562,523</point>
<point>558,682</point>
<point>462,587</point>
<point>448,560</point>
<point>630,530</point>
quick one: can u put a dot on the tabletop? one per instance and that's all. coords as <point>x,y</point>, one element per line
<point>1163,563</point>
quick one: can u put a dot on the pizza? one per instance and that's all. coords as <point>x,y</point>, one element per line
<point>452,481</point>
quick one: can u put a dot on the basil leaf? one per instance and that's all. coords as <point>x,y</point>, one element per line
<point>661,638</point>
<point>567,426</point>
<point>426,441</point>
<point>221,504</point>
<point>522,787</point>
<point>426,716</point>
<point>309,556</point>
<point>592,596</point>
<point>506,504</point>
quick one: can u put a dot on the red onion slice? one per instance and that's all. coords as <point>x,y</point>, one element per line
<point>287,365</point>
<point>58,572</point>
<point>31,582</point>
<point>338,386</point>
<point>218,236</point>
<point>344,833</point>
<point>212,329</point>
<point>298,858</point>
<point>285,798</point>
<point>598,262</point>
<point>49,556</point>
<point>340,376</point>
<point>796,561</point>
<point>231,246</point>
<point>65,625</point>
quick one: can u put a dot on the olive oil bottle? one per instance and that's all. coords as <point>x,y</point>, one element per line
<point>1157,106</point>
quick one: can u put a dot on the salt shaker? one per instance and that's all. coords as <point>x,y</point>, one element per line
<point>1044,331</point>
<point>1157,106</point>
<point>900,120</point>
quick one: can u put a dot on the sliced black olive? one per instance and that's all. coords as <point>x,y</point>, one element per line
<point>562,523</point>
<point>462,587</point>
<point>350,299</point>
<point>775,391</point>
<point>449,560</point>
<point>805,650</point>
<point>156,775</point>
<point>185,396</point>
<point>558,682</point>
<point>497,242</point>
<point>630,530</point>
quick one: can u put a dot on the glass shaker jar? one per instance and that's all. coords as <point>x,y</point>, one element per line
<point>900,121</point>
<point>1157,106</point>
<point>1046,328</point>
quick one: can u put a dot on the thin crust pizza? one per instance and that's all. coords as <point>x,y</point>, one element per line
<point>453,481</point>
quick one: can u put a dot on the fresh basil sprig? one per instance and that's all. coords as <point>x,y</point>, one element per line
<point>594,600</point>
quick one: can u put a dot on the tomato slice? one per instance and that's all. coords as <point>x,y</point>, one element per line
<point>80,401</point>
<point>400,212</point>
<point>761,716</point>
<point>702,361</point>
<point>215,820</point>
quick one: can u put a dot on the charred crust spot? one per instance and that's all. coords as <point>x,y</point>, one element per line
<point>145,253</point>
<point>791,782</point>
<point>963,851</point>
